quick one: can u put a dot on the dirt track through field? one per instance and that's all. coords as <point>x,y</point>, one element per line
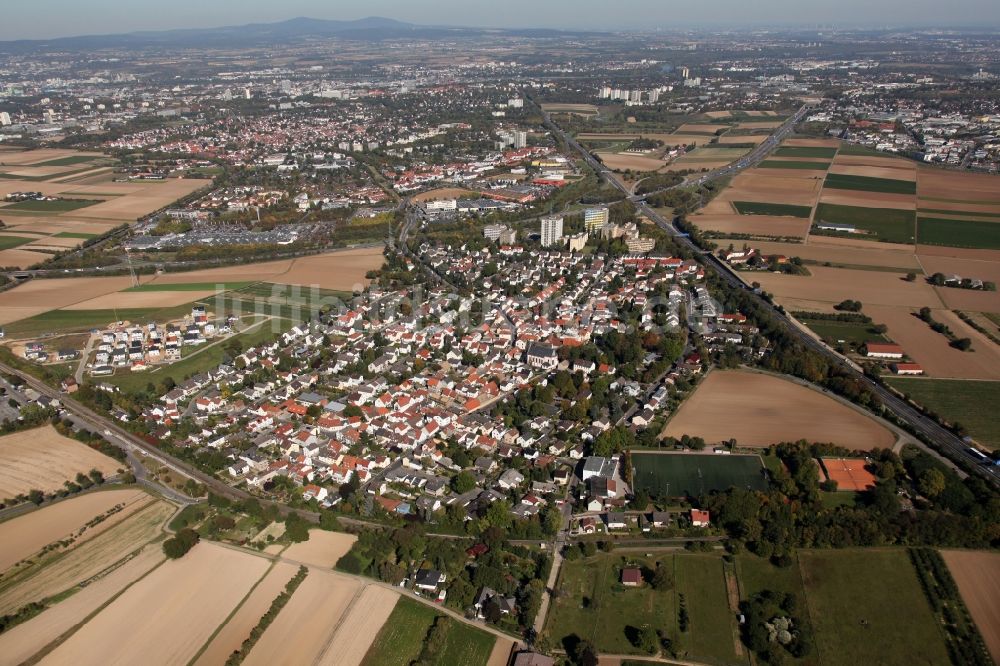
<point>300,632</point>
<point>758,410</point>
<point>360,626</point>
<point>977,574</point>
<point>238,629</point>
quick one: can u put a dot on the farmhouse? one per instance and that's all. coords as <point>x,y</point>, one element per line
<point>700,518</point>
<point>907,369</point>
<point>883,350</point>
<point>632,577</point>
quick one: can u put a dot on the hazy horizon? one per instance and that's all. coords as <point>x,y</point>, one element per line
<point>50,19</point>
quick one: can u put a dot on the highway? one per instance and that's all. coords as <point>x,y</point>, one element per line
<point>947,442</point>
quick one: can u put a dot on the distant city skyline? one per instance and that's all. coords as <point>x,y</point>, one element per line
<point>47,19</point>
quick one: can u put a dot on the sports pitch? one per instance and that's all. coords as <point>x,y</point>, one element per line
<point>684,474</point>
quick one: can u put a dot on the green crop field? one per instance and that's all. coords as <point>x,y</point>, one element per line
<point>192,286</point>
<point>839,181</point>
<point>957,213</point>
<point>69,321</point>
<point>863,151</point>
<point>593,604</point>
<point>68,161</point>
<point>788,164</point>
<point>401,639</point>
<point>8,242</point>
<point>806,151</point>
<point>888,224</point>
<point>757,208</point>
<point>959,233</point>
<point>958,400</point>
<point>853,333</point>
<point>679,475</point>
<point>74,234</point>
<point>56,206</point>
<point>867,607</point>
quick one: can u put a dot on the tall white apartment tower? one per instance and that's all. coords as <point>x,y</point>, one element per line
<point>552,230</point>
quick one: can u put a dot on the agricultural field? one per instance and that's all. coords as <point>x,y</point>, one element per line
<point>805,151</point>
<point>323,549</point>
<point>727,405</point>
<point>48,205</point>
<point>756,208</point>
<point>356,633</point>
<point>855,595</point>
<point>401,639</point>
<point>792,164</point>
<point>187,597</point>
<point>973,234</point>
<point>188,286</point>
<point>25,535</point>
<point>886,224</point>
<point>91,553</point>
<point>869,184</point>
<point>593,604</point>
<point>958,401</point>
<point>693,475</point>
<point>849,334</point>
<point>42,458</point>
<point>977,574</point>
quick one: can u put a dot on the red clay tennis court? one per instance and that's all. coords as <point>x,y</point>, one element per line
<point>849,473</point>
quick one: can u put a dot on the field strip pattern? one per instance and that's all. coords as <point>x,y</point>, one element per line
<point>186,598</point>
<point>28,639</point>
<point>359,627</point>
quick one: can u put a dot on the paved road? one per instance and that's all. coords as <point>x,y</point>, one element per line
<point>947,444</point>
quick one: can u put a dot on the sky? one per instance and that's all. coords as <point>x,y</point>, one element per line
<point>43,19</point>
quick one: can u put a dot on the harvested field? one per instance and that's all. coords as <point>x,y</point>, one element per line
<point>357,632</point>
<point>736,139</point>
<point>958,252</point>
<point>818,249</point>
<point>755,225</point>
<point>106,544</point>
<point>20,259</point>
<point>43,155</point>
<point>20,643</point>
<point>443,193</point>
<point>141,299</point>
<point>501,654</point>
<point>152,196</point>
<point>701,128</point>
<point>560,107</point>
<point>621,162</point>
<point>44,459</point>
<point>323,549</point>
<point>728,404</point>
<point>340,270</point>
<point>958,185</point>
<point>186,598</point>
<point>830,286</point>
<point>868,199</point>
<point>238,628</point>
<point>300,632</point>
<point>812,143</point>
<point>861,171</point>
<point>786,210</point>
<point>27,534</point>
<point>932,351</point>
<point>977,574</point>
<point>38,296</point>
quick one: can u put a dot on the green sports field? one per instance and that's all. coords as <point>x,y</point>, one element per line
<point>888,224</point>
<point>839,181</point>
<point>680,474</point>
<point>757,208</point>
<point>805,151</point>
<point>959,233</point>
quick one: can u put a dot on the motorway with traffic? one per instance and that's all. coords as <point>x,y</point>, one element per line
<point>947,442</point>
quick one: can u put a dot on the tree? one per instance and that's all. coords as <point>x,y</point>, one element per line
<point>296,528</point>
<point>931,483</point>
<point>662,580</point>
<point>36,496</point>
<point>96,476</point>
<point>180,544</point>
<point>910,277</point>
<point>584,653</point>
<point>962,343</point>
<point>463,482</point>
<point>648,640</point>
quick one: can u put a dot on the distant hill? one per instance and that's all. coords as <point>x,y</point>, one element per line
<point>373,28</point>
